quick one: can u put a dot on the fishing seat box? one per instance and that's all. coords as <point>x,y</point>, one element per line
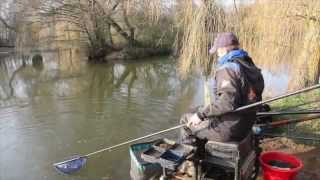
<point>237,156</point>
<point>141,169</point>
<point>148,159</point>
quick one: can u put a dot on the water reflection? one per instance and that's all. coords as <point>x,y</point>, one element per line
<point>68,107</point>
<point>62,106</point>
<point>25,77</point>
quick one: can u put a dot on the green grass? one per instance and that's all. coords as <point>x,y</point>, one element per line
<point>298,102</point>
<point>306,101</point>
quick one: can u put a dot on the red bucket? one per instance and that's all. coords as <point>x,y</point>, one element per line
<point>274,173</point>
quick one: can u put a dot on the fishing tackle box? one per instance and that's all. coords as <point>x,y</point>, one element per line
<point>151,155</point>
<point>167,153</point>
<point>171,159</point>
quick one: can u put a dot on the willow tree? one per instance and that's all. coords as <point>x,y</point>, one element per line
<point>7,15</point>
<point>282,33</point>
<point>308,61</point>
<point>278,34</point>
<point>201,20</point>
<point>107,25</point>
<point>94,18</point>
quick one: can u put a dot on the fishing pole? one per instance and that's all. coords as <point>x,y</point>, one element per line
<point>275,98</point>
<point>76,163</point>
<point>287,113</point>
<point>259,128</point>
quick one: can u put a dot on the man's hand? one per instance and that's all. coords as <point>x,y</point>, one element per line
<point>194,120</point>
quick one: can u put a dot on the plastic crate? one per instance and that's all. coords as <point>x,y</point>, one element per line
<point>151,155</point>
<point>171,159</point>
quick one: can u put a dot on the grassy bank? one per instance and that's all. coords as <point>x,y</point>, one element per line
<point>306,101</point>
<point>299,102</point>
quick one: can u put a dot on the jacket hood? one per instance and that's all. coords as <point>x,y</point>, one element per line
<point>238,53</point>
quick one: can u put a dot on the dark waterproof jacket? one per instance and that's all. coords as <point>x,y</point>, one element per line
<point>238,82</point>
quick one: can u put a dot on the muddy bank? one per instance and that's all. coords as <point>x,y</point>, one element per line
<point>137,53</point>
<point>127,53</point>
<point>308,154</point>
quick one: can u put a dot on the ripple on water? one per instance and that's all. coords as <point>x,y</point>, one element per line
<point>51,125</point>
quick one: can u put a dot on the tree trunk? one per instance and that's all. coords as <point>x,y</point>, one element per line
<point>130,27</point>
<point>3,21</point>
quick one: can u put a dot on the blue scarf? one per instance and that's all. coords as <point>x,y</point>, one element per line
<point>239,53</point>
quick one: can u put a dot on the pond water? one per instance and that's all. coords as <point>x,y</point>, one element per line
<point>66,107</point>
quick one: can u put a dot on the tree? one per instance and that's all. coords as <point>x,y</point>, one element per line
<point>201,21</point>
<point>108,25</point>
<point>7,15</point>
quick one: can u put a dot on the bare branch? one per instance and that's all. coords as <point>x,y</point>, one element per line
<point>3,21</point>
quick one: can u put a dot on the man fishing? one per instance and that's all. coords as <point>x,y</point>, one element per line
<point>237,82</point>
